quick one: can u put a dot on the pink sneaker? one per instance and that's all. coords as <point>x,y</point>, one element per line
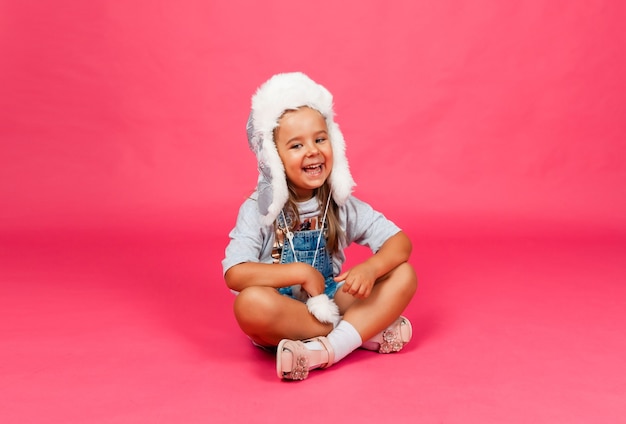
<point>392,339</point>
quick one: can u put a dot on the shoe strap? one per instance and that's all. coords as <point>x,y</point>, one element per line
<point>331,352</point>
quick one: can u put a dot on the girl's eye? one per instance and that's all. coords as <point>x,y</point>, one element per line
<point>320,140</point>
<point>295,146</point>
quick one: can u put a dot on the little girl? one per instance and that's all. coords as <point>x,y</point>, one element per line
<point>286,251</point>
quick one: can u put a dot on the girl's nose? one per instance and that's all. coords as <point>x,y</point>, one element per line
<point>312,149</point>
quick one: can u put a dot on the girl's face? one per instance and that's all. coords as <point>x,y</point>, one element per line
<point>304,147</point>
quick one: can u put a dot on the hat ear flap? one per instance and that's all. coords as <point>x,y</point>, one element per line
<point>275,192</point>
<point>341,181</point>
<point>272,192</point>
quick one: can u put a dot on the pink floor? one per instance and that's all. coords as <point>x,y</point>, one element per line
<point>101,329</point>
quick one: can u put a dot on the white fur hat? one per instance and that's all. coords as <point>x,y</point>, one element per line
<point>289,91</point>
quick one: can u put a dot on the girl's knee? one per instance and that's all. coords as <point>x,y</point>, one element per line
<point>406,277</point>
<point>254,304</point>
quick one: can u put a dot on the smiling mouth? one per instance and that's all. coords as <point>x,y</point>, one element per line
<point>313,170</point>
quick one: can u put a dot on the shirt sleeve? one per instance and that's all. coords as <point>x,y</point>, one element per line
<point>366,226</point>
<point>249,239</point>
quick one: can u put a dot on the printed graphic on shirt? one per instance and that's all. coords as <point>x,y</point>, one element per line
<point>309,224</point>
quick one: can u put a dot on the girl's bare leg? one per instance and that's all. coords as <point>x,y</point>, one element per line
<point>362,320</point>
<point>267,317</point>
<point>390,296</point>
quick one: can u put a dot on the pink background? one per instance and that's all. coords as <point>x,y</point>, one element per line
<point>465,115</point>
<point>492,132</point>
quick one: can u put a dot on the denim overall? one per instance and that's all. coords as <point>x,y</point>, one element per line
<point>305,244</point>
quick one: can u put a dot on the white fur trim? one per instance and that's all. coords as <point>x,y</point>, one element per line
<point>283,92</point>
<point>324,309</point>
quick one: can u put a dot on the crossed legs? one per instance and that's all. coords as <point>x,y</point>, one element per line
<point>267,317</point>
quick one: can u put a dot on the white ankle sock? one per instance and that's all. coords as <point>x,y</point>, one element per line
<point>344,339</point>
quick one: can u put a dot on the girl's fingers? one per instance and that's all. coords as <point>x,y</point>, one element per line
<point>341,277</point>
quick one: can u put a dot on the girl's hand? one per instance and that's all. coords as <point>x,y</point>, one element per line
<point>359,280</point>
<point>314,282</point>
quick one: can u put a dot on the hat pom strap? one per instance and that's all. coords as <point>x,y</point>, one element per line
<point>324,309</point>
